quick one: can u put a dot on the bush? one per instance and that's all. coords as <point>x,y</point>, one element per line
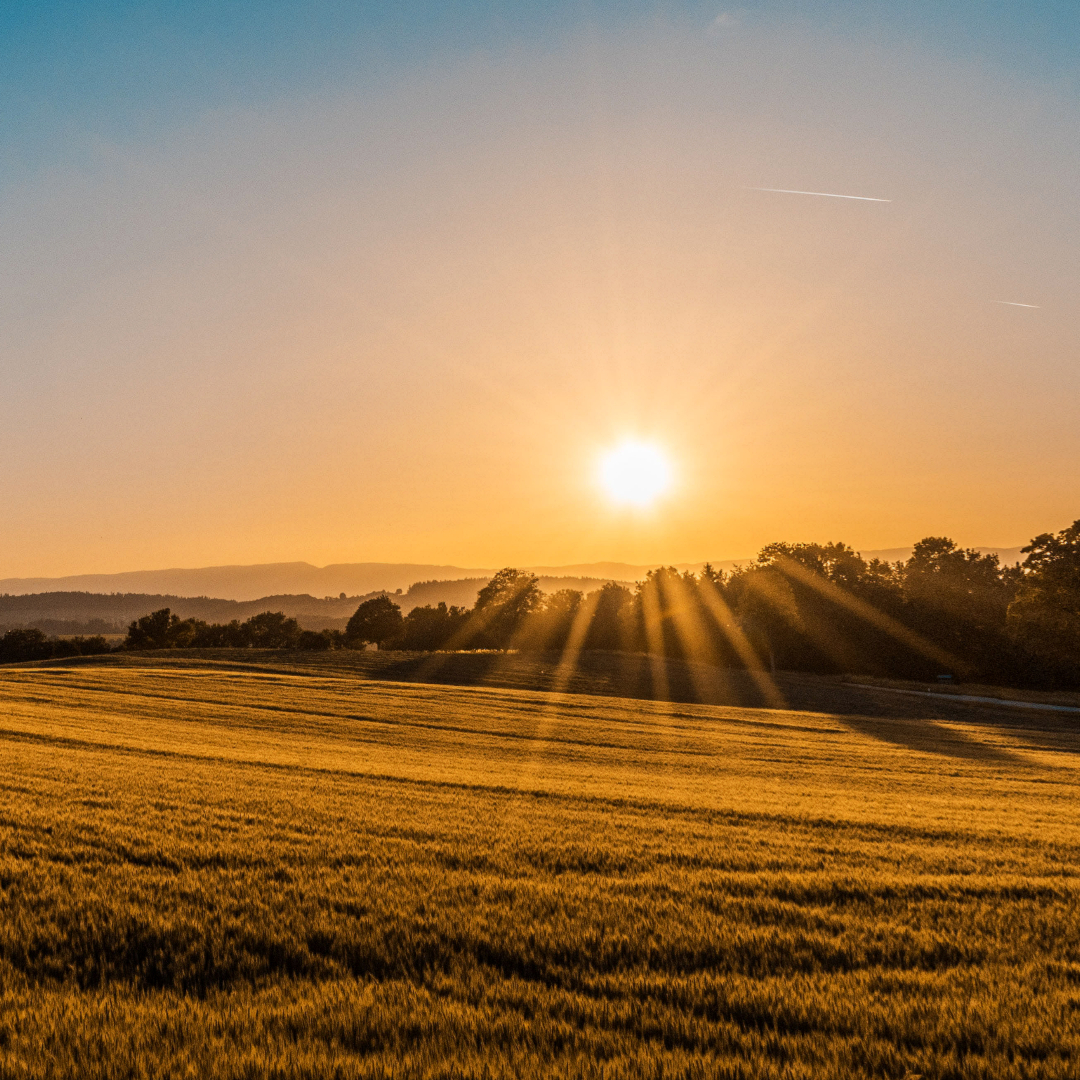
<point>315,640</point>
<point>19,646</point>
<point>22,645</point>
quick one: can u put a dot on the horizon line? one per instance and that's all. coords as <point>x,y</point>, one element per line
<point>532,567</point>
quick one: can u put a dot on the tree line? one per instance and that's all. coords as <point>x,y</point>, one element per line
<point>798,607</point>
<point>21,645</point>
<point>809,607</point>
<point>164,630</point>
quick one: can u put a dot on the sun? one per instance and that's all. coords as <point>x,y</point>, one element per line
<point>635,473</point>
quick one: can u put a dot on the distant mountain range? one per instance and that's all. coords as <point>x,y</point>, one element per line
<point>243,583</point>
<point>276,579</point>
<point>248,582</point>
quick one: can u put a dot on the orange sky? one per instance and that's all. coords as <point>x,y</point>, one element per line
<point>400,322</point>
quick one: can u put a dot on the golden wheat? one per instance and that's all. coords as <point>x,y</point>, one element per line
<point>220,869</point>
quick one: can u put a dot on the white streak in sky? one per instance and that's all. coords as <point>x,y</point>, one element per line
<point>823,194</point>
<point>1013,303</point>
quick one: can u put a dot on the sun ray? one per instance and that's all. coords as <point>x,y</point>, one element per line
<point>870,614</point>
<point>654,642</point>
<point>689,627</point>
<point>726,623</point>
<point>579,628</point>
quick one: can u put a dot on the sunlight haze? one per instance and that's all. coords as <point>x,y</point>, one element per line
<point>362,292</point>
<point>539,541</point>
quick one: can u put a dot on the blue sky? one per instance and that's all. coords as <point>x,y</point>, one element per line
<point>118,70</point>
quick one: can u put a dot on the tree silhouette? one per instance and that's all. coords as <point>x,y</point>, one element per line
<point>799,606</point>
<point>1045,615</point>
<point>428,628</point>
<point>152,631</point>
<point>502,606</point>
<point>375,621</point>
<point>611,626</point>
<point>272,630</point>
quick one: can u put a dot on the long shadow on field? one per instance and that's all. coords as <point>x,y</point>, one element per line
<point>628,675</point>
<point>932,738</point>
<point>1050,735</point>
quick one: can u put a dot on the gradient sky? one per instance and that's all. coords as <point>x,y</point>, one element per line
<point>332,283</point>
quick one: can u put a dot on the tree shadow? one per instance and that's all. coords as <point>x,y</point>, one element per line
<point>931,737</point>
<point>595,672</point>
<point>1048,734</point>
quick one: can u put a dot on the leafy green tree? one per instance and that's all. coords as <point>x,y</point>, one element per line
<point>809,607</point>
<point>769,614</point>
<point>92,646</point>
<point>950,576</point>
<point>218,635</point>
<point>375,621</point>
<point>21,645</point>
<point>669,615</point>
<point>715,600</point>
<point>163,630</point>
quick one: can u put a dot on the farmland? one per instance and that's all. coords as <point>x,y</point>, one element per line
<point>319,867</point>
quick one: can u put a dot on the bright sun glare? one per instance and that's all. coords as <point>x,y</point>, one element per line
<point>635,473</point>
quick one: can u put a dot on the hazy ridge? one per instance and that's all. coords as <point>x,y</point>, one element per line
<point>244,583</point>
<point>262,580</point>
<point>85,612</point>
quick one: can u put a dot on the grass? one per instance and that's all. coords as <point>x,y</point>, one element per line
<point>212,866</point>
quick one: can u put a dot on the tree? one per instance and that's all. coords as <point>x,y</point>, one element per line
<point>502,606</point>
<point>153,631</point>
<point>835,562</point>
<point>429,628</point>
<point>1045,615</point>
<point>822,612</point>
<point>20,645</point>
<point>231,635</point>
<point>375,621</point>
<point>950,576</point>
<point>669,614</point>
<point>549,625</point>
<point>768,613</point>
<point>960,599</point>
<point>315,640</point>
<point>163,630</point>
<point>272,630</point>
<point>611,625</point>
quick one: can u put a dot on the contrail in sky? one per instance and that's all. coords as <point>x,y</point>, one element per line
<point>1013,303</point>
<point>824,194</point>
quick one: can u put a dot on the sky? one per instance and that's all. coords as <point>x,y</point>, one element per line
<point>338,283</point>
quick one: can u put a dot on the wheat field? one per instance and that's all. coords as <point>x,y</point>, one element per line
<point>229,869</point>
